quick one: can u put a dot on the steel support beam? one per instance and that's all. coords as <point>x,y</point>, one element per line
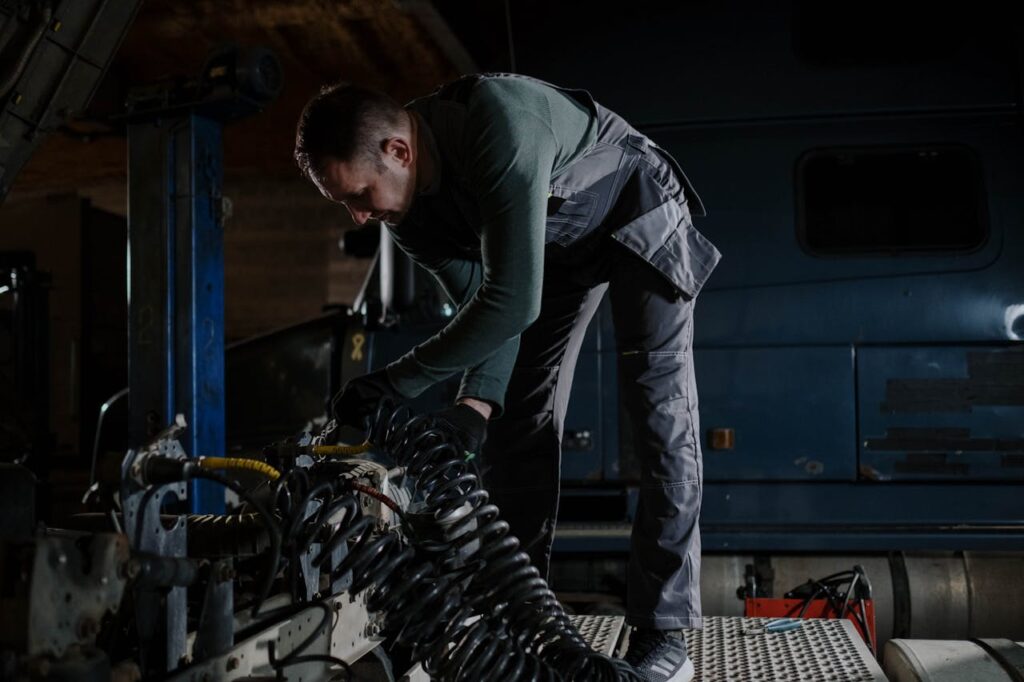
<point>176,286</point>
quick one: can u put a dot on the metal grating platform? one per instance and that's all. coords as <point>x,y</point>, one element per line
<point>602,633</point>
<point>820,651</point>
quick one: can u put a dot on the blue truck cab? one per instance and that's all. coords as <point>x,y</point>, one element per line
<point>858,350</point>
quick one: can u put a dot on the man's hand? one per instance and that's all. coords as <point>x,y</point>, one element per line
<point>467,424</point>
<point>359,398</point>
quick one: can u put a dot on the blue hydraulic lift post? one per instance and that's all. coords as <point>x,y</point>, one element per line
<point>176,286</point>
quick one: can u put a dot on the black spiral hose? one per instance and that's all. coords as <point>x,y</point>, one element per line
<point>463,597</point>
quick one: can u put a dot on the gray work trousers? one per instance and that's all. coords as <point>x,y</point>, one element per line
<point>521,458</point>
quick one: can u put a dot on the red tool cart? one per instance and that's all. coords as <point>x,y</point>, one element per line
<point>846,594</point>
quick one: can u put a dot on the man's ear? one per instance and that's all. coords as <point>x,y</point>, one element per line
<point>399,149</point>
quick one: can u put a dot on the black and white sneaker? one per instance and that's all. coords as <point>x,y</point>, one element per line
<point>659,655</point>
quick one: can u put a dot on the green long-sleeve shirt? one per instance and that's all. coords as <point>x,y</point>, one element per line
<point>496,157</point>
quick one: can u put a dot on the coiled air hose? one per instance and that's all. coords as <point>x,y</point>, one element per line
<point>461,596</point>
<point>466,601</point>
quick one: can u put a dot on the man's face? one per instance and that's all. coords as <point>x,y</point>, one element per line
<point>372,191</point>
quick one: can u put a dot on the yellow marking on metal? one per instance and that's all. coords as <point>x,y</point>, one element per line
<point>358,340</point>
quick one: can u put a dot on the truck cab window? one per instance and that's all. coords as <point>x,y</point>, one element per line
<point>863,201</point>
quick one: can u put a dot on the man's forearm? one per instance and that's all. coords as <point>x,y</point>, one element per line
<point>481,406</point>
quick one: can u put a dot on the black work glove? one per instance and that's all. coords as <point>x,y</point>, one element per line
<point>467,427</point>
<point>359,397</point>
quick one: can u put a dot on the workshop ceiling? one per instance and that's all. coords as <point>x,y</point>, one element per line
<point>402,47</point>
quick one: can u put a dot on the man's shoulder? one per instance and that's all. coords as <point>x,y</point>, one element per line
<point>499,88</point>
<point>496,101</point>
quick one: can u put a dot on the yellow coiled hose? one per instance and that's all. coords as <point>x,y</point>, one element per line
<point>272,473</point>
<point>240,463</point>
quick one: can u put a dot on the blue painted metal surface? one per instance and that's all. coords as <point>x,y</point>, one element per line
<point>861,516</point>
<point>200,324</point>
<point>794,350</point>
<point>743,389</point>
<point>952,413</point>
<point>583,445</point>
<point>762,203</point>
<point>176,287</point>
<point>591,422</point>
<point>829,516</point>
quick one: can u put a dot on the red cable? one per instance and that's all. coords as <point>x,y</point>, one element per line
<point>379,496</point>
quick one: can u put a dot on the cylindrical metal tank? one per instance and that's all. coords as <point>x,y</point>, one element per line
<point>995,587</point>
<point>930,660</point>
<point>920,595</point>
<point>720,576</point>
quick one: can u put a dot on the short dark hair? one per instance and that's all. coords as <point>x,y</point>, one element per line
<point>344,122</point>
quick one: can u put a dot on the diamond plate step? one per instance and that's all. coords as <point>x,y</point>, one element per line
<point>602,633</point>
<point>819,651</point>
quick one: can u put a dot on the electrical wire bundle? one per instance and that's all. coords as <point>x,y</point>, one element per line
<point>458,590</point>
<point>857,590</point>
